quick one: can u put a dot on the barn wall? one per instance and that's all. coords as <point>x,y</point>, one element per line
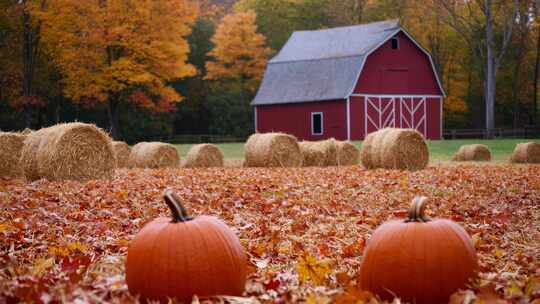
<point>295,119</point>
<point>434,118</point>
<point>357,107</point>
<point>403,71</point>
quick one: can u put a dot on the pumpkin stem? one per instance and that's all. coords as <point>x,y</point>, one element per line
<point>417,210</point>
<point>178,211</point>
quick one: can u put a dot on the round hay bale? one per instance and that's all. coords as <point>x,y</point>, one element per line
<point>204,156</point>
<point>121,153</point>
<point>153,155</point>
<point>369,155</point>
<point>272,150</point>
<point>392,148</point>
<point>347,153</point>
<point>475,152</point>
<point>74,151</point>
<point>311,155</point>
<point>10,153</point>
<point>526,153</point>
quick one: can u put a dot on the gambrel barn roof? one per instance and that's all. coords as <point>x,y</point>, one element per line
<point>322,64</point>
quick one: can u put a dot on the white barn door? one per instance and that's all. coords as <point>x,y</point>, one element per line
<point>384,111</point>
<point>413,114</point>
<point>380,113</point>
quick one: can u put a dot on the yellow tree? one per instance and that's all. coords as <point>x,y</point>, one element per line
<point>113,51</point>
<point>240,52</point>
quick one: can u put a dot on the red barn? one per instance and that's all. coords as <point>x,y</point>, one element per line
<point>350,81</point>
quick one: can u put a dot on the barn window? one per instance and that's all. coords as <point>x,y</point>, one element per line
<point>395,43</point>
<point>316,123</point>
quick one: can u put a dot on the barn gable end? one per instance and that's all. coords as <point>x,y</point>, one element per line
<point>406,70</point>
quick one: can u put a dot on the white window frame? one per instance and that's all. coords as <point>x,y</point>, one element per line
<point>313,126</point>
<point>396,38</point>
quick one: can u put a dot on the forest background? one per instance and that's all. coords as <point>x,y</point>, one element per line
<point>143,69</point>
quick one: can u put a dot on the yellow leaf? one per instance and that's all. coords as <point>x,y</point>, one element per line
<point>40,265</point>
<point>513,291</point>
<point>6,227</point>
<point>311,269</point>
<point>499,253</point>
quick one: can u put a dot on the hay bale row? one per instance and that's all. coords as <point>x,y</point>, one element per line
<point>329,152</point>
<point>473,152</point>
<point>10,153</point>
<point>153,155</point>
<point>317,153</point>
<point>121,153</point>
<point>272,150</point>
<point>392,148</point>
<point>204,156</point>
<point>526,153</point>
<point>347,154</point>
<point>75,151</point>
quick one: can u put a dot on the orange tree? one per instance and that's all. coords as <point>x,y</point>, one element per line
<point>112,51</point>
<point>238,61</point>
<point>240,52</point>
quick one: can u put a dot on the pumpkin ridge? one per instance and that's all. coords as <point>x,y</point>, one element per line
<point>186,235</point>
<point>157,261</point>
<point>395,233</point>
<point>438,237</point>
<point>224,240</point>
<point>206,252</point>
<point>455,231</point>
<point>459,271</point>
<point>151,238</point>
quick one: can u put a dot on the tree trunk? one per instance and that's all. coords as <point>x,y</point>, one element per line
<point>490,71</point>
<point>112,111</point>
<point>534,115</point>
<point>28,65</point>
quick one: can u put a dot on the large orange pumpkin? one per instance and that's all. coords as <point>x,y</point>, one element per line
<point>419,260</point>
<point>183,256</point>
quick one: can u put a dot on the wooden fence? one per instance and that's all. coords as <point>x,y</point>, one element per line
<point>196,139</point>
<point>526,132</point>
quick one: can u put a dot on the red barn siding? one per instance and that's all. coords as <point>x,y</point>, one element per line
<point>406,71</point>
<point>295,119</point>
<point>434,118</point>
<point>357,109</point>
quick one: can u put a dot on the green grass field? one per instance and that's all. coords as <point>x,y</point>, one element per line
<point>440,150</point>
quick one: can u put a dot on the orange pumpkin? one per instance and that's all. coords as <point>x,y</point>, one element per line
<point>183,256</point>
<point>419,260</point>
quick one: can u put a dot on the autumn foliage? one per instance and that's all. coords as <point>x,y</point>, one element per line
<point>240,52</point>
<point>305,230</point>
<point>104,48</point>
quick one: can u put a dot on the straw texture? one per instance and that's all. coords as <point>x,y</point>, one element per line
<point>204,156</point>
<point>11,145</point>
<point>121,153</point>
<point>526,153</point>
<point>153,155</point>
<point>272,150</point>
<point>74,151</point>
<point>475,152</point>
<point>392,148</point>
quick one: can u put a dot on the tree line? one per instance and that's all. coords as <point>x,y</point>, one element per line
<point>162,67</point>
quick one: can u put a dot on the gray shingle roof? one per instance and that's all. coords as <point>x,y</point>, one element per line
<point>320,65</point>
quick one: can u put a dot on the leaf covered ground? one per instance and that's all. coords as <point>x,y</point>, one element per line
<point>305,230</point>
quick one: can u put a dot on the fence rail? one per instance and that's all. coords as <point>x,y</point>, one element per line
<point>526,132</point>
<point>196,139</point>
